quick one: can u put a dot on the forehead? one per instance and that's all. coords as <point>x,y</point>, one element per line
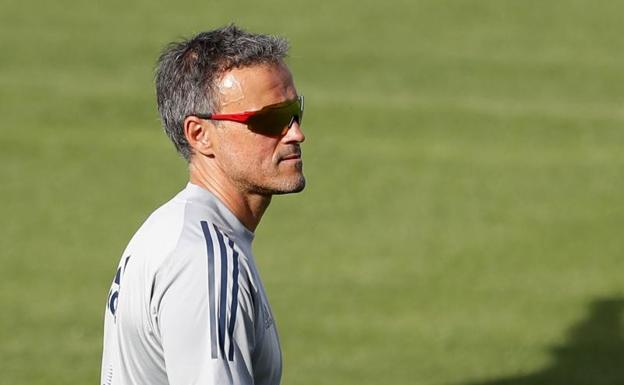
<point>251,88</point>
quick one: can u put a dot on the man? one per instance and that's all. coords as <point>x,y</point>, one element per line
<point>187,305</point>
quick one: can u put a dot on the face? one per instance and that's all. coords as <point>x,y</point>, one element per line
<point>254,162</point>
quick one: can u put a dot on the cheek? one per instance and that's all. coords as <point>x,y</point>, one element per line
<point>262,158</point>
<point>257,148</point>
<point>246,155</point>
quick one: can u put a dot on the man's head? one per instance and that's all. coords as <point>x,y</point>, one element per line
<point>230,71</point>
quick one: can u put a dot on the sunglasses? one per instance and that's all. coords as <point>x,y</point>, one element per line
<point>274,119</point>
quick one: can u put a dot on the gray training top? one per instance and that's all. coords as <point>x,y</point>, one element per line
<point>187,305</point>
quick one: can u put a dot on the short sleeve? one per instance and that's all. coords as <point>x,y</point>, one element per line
<point>205,314</point>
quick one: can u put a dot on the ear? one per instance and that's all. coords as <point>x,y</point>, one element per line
<point>199,134</point>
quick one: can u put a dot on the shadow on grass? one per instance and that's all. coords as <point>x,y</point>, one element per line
<point>593,354</point>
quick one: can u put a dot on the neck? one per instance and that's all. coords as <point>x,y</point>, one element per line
<point>247,207</point>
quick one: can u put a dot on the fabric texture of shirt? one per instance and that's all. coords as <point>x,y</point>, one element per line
<point>187,305</point>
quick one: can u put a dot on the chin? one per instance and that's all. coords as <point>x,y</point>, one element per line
<point>290,186</point>
<point>298,187</point>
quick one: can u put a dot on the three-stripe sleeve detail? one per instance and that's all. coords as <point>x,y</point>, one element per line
<point>223,296</point>
<point>211,288</point>
<point>219,325</point>
<point>234,299</point>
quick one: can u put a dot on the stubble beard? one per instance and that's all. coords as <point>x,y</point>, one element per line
<point>291,187</point>
<point>286,185</point>
<point>267,180</point>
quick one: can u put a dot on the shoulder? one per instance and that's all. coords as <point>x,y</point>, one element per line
<point>178,227</point>
<point>206,250</point>
<point>201,239</point>
<point>182,237</point>
<point>206,269</point>
<point>159,234</point>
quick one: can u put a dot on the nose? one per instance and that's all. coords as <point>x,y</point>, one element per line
<point>294,134</point>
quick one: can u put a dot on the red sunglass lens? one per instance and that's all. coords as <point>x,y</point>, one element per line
<point>275,120</point>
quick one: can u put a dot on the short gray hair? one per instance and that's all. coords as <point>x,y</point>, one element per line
<point>187,71</point>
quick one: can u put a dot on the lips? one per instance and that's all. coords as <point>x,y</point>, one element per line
<point>292,156</point>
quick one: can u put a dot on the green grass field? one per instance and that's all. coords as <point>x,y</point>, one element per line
<point>464,208</point>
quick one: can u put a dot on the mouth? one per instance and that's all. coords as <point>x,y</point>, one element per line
<point>292,157</point>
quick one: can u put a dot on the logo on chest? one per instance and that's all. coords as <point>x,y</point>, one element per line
<point>113,294</point>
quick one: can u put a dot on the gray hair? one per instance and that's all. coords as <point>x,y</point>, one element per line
<point>187,72</point>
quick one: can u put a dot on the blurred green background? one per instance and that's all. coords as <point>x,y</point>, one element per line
<point>463,216</point>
